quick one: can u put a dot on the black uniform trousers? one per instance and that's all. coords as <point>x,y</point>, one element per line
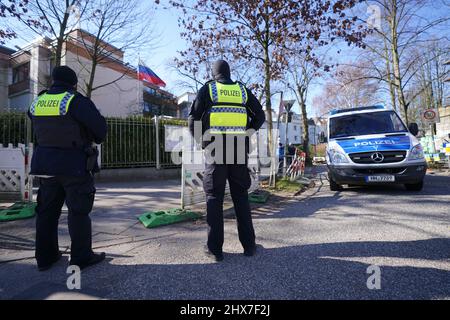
<point>78,193</point>
<point>214,182</point>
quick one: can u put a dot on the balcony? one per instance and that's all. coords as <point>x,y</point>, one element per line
<point>19,87</point>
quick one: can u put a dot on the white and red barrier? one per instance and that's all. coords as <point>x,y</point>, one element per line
<point>15,179</point>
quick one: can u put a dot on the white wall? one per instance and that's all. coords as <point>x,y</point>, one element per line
<point>186,97</point>
<point>39,69</point>
<point>119,99</point>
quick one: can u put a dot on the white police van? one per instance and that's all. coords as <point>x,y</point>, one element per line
<point>372,146</point>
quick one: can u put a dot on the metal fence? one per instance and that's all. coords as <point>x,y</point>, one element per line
<point>137,142</point>
<point>15,128</point>
<point>132,142</point>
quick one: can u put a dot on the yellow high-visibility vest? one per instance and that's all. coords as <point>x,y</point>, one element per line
<point>51,104</point>
<point>228,114</point>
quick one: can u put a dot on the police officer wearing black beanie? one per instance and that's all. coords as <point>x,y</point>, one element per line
<point>226,109</point>
<point>65,126</point>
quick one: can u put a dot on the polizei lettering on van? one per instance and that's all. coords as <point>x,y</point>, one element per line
<point>374,143</point>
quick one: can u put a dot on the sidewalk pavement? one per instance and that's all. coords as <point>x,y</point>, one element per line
<point>117,231</point>
<point>114,217</point>
<point>317,245</point>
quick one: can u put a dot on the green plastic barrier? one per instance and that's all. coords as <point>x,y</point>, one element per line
<point>20,210</point>
<point>258,196</point>
<point>161,218</point>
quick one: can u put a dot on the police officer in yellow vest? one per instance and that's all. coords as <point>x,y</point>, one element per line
<point>65,125</point>
<point>226,109</point>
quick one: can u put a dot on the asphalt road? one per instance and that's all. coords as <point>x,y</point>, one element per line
<point>318,246</point>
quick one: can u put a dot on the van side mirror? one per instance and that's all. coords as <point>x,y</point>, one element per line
<point>413,128</point>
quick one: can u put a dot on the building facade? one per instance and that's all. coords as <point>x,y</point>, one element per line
<point>117,90</point>
<point>317,128</point>
<point>184,103</point>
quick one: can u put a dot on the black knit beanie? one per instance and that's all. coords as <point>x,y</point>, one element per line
<point>64,74</point>
<point>221,69</point>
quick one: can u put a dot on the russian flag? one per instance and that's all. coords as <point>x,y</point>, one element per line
<point>147,74</point>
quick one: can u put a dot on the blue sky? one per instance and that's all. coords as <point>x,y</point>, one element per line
<point>167,48</point>
<point>157,59</point>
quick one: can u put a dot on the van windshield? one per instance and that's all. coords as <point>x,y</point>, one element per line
<point>366,123</point>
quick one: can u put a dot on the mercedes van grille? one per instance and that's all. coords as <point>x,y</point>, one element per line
<point>381,171</point>
<point>377,157</point>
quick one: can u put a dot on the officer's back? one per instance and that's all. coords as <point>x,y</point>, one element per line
<point>63,137</point>
<point>65,125</point>
<point>228,111</point>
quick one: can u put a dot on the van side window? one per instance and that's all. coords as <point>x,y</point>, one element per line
<point>397,123</point>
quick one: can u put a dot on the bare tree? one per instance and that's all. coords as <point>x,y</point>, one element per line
<point>113,27</point>
<point>11,9</point>
<point>428,89</point>
<point>52,18</point>
<point>257,32</point>
<point>302,71</point>
<point>348,87</point>
<point>186,80</point>
<point>404,25</point>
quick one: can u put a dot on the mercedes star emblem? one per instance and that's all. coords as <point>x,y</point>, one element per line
<point>377,157</point>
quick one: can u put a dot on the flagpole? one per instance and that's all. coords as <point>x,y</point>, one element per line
<point>139,86</point>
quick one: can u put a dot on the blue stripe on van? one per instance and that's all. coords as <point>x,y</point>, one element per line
<point>377,144</point>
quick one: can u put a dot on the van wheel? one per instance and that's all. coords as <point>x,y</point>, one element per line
<point>414,186</point>
<point>334,186</point>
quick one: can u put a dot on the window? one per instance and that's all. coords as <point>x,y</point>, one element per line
<point>150,91</point>
<point>365,124</point>
<point>152,109</point>
<point>397,123</point>
<point>21,73</point>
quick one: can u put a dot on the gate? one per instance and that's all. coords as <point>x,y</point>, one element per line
<point>15,179</point>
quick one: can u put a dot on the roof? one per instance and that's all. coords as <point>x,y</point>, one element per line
<point>80,33</point>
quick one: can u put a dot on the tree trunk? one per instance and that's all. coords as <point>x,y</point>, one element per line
<point>95,57</point>
<point>62,36</point>
<point>389,77</point>
<point>90,84</point>
<point>58,53</point>
<point>267,92</point>
<point>305,133</point>
<point>396,61</point>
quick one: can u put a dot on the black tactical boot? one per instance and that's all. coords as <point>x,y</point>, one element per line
<point>95,258</point>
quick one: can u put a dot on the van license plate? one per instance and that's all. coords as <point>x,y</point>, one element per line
<point>380,179</point>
